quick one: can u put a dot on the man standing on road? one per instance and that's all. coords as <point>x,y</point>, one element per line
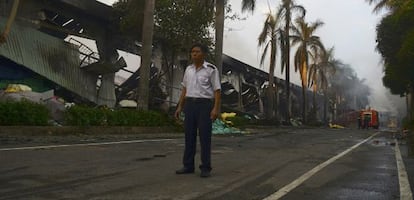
<point>200,101</point>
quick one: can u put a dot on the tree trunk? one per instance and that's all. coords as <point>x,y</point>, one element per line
<point>271,93</point>
<point>314,89</point>
<point>9,22</point>
<point>143,89</point>
<point>411,109</point>
<point>314,104</point>
<point>240,96</point>
<point>303,73</point>
<point>219,35</point>
<point>261,107</point>
<point>270,100</point>
<point>325,107</point>
<point>276,93</point>
<point>304,105</point>
<point>287,70</point>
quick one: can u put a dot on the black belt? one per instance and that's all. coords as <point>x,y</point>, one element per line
<point>198,100</point>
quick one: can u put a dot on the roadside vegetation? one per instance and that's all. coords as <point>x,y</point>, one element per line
<point>395,36</point>
<point>16,113</point>
<point>87,116</point>
<point>26,113</point>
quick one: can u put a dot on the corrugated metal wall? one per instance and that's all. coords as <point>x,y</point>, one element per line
<point>50,57</point>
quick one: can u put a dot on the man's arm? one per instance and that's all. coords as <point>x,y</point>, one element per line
<point>217,101</point>
<point>180,103</point>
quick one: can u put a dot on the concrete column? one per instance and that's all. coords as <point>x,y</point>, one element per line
<point>107,54</point>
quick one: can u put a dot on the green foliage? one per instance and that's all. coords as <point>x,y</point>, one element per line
<point>408,124</point>
<point>127,117</point>
<point>178,23</point>
<point>394,80</point>
<point>131,17</point>
<point>86,116</point>
<point>23,113</point>
<point>395,37</point>
<point>181,22</point>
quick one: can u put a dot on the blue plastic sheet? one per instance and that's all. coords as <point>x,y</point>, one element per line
<point>219,127</point>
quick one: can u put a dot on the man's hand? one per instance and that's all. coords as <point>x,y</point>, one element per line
<point>178,112</point>
<point>2,38</point>
<point>214,114</point>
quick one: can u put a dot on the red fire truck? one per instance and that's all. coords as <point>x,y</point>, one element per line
<point>369,118</point>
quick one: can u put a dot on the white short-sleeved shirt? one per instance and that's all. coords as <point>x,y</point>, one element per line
<point>203,82</point>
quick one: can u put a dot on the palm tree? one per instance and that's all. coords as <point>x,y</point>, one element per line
<point>269,38</point>
<point>248,5</point>
<point>390,4</point>
<point>315,75</point>
<point>324,65</point>
<point>303,36</point>
<point>286,9</point>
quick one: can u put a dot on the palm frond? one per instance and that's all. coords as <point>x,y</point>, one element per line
<point>264,53</point>
<point>248,5</point>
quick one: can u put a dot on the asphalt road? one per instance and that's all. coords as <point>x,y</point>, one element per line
<point>273,163</point>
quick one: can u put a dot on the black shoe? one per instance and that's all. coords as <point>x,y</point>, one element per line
<point>205,174</point>
<point>184,171</point>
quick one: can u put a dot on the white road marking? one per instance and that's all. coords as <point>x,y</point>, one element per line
<point>405,189</point>
<point>81,145</point>
<point>286,189</point>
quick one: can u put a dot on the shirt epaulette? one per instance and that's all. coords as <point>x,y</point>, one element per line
<point>212,66</point>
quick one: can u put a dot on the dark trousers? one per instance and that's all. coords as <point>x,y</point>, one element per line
<point>197,119</point>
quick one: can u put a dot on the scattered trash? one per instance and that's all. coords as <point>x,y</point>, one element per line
<point>128,104</point>
<point>18,88</point>
<point>335,126</point>
<point>295,122</point>
<point>225,116</point>
<point>55,105</point>
<point>17,95</point>
<point>219,127</point>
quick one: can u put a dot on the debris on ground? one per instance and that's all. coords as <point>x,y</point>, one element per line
<point>335,126</point>
<point>220,127</point>
<point>295,122</point>
<point>128,103</point>
<point>18,92</point>
<point>225,117</point>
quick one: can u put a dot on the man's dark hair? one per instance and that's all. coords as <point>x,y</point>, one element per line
<point>203,47</point>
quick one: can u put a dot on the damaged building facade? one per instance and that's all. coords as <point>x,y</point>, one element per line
<point>36,47</point>
<point>39,52</point>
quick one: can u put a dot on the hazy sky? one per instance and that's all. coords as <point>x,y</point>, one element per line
<point>349,27</point>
